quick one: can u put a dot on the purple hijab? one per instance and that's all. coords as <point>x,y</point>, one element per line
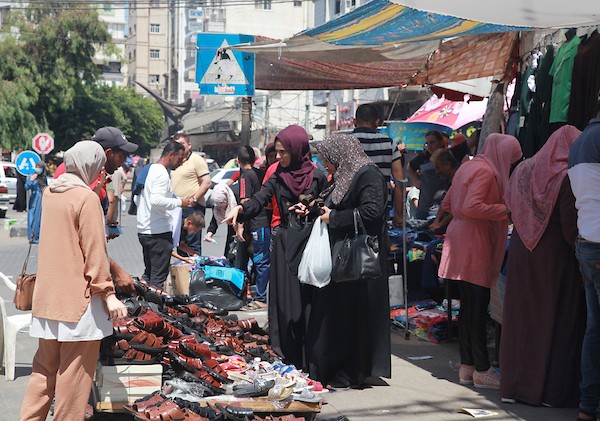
<point>298,176</point>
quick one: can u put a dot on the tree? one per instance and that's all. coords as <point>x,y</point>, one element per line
<point>51,83</point>
<point>139,118</point>
<point>18,93</point>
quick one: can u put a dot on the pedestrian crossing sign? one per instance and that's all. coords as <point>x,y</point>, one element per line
<point>222,71</point>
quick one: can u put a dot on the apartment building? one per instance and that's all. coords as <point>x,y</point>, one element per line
<point>147,49</point>
<point>114,67</point>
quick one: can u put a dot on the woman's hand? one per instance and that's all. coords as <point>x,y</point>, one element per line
<point>239,233</point>
<point>231,218</point>
<point>116,309</point>
<point>299,209</point>
<point>325,215</point>
<point>33,176</point>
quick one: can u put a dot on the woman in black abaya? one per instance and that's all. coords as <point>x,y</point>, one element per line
<point>348,334</point>
<point>288,299</point>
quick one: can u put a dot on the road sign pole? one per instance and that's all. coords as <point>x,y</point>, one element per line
<point>246,120</point>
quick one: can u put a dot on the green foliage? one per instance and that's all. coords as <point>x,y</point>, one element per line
<point>49,82</point>
<point>139,118</point>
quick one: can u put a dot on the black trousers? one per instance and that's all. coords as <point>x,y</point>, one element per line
<point>472,335</point>
<point>157,256</point>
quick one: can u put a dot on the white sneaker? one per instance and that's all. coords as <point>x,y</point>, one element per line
<point>487,379</point>
<point>465,374</point>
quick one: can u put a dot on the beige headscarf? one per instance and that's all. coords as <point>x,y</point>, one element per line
<point>223,201</point>
<point>83,163</point>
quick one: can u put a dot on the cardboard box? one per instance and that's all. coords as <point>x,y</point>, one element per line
<point>126,383</point>
<point>180,278</point>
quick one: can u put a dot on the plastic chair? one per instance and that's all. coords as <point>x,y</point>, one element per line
<point>10,284</point>
<point>11,325</point>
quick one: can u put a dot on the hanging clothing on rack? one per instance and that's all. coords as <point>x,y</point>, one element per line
<point>536,130</point>
<point>586,82</point>
<point>562,73</point>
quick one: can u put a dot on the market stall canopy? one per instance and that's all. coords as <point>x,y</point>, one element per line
<point>533,13</point>
<point>448,113</point>
<point>383,44</point>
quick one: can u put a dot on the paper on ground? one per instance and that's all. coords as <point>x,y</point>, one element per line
<point>477,413</point>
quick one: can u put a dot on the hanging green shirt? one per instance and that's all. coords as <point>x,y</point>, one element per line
<point>562,72</point>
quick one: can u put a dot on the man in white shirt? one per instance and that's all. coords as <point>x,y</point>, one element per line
<point>153,216</point>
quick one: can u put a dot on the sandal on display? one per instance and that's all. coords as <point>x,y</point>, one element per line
<point>140,405</point>
<point>133,357</point>
<point>235,413</point>
<point>260,387</point>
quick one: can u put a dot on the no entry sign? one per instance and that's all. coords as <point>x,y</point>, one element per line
<point>43,143</point>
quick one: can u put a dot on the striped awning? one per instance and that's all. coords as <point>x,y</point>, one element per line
<point>380,44</point>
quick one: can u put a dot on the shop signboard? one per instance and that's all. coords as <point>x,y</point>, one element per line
<point>413,134</point>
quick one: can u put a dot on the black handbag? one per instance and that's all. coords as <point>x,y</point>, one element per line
<point>298,234</point>
<point>356,257</point>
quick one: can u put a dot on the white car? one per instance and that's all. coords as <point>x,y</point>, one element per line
<point>222,175</point>
<point>4,200</point>
<point>8,176</point>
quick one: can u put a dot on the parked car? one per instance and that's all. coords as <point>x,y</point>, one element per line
<point>8,176</point>
<point>4,200</point>
<point>222,175</point>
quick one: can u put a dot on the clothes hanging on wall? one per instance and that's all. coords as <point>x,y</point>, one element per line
<point>536,129</point>
<point>586,81</point>
<point>562,73</point>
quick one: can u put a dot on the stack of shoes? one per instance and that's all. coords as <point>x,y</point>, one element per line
<point>204,352</point>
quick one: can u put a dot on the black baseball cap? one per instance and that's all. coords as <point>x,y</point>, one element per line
<point>111,137</point>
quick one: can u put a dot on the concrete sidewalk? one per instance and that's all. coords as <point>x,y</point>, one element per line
<point>418,390</point>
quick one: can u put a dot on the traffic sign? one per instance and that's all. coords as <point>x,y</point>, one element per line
<point>221,71</point>
<point>43,143</point>
<point>26,161</point>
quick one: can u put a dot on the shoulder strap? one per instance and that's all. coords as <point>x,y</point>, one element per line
<point>27,257</point>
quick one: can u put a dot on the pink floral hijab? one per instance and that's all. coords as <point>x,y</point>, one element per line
<point>534,186</point>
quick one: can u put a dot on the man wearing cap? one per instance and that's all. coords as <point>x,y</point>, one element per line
<point>191,180</point>
<point>117,148</point>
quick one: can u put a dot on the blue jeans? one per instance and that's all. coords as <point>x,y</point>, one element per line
<point>588,255</point>
<point>261,240</point>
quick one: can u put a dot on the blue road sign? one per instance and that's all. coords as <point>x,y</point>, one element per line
<point>220,71</point>
<point>26,161</point>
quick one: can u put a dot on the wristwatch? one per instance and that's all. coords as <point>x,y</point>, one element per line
<point>195,199</point>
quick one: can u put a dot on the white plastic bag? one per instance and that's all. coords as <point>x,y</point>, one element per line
<point>315,266</point>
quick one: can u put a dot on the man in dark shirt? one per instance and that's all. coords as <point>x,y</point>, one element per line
<point>260,230</point>
<point>423,176</point>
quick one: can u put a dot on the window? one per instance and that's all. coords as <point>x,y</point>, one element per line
<point>154,3</point>
<point>153,79</point>
<point>338,7</point>
<point>155,28</point>
<point>297,3</point>
<point>154,54</point>
<point>262,4</point>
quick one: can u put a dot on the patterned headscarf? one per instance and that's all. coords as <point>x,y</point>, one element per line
<point>535,183</point>
<point>298,175</point>
<point>347,155</point>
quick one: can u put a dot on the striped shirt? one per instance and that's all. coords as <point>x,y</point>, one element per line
<point>380,148</point>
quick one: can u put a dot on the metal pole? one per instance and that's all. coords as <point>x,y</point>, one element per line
<point>327,111</point>
<point>246,121</point>
<point>404,183</point>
